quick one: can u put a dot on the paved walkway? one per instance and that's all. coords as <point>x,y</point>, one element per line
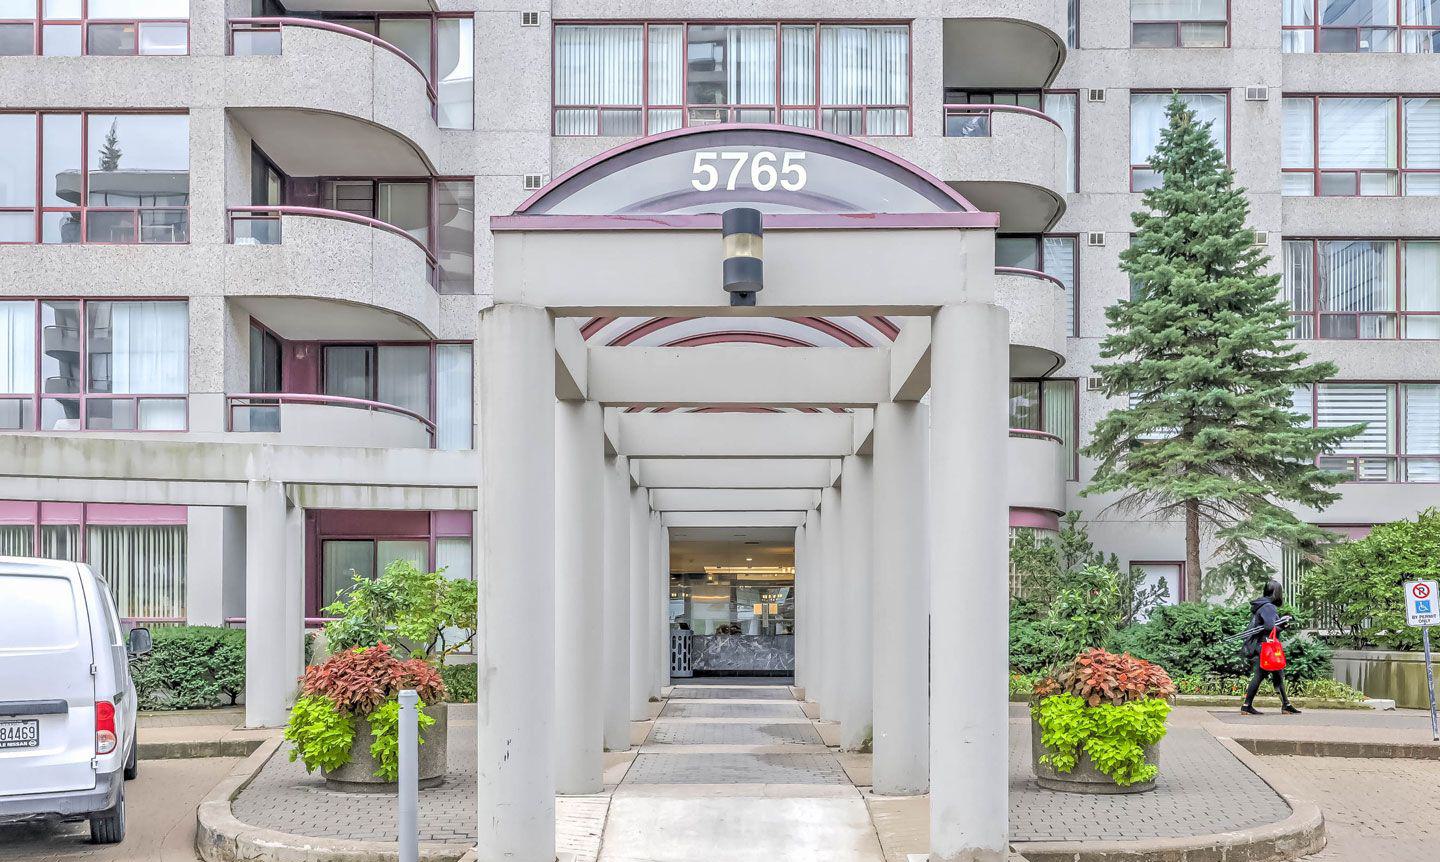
<point>1375,810</point>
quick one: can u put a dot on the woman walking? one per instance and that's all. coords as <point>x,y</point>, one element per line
<point>1264,618</point>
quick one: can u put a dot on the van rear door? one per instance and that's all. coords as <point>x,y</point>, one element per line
<point>47,693</point>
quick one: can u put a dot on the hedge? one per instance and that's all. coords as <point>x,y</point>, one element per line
<point>459,682</point>
<point>191,667</point>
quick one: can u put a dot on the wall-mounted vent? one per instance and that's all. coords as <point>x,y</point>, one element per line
<point>1096,95</point>
<point>529,19</point>
<point>1257,94</point>
<point>1262,238</point>
<point>1092,384</point>
<point>534,182</point>
<point>1095,239</point>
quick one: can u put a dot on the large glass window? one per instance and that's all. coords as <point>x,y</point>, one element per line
<point>1360,26</point>
<point>636,79</point>
<point>1048,405</point>
<point>402,375</point>
<point>1147,121</point>
<point>755,602</point>
<point>97,27</point>
<point>1179,23</point>
<point>1401,438</point>
<point>1367,145</point>
<point>362,544</point>
<point>134,185</point>
<point>1052,255</point>
<point>438,213</point>
<point>115,366</point>
<point>1363,288</point>
<point>1060,106</point>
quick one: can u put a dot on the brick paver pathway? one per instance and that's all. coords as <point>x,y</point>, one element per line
<point>732,733</point>
<point>705,709</point>
<point>716,692</point>
<point>1375,810</point>
<point>736,769</point>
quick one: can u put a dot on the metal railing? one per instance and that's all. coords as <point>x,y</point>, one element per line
<point>1030,273</point>
<point>267,406</point>
<point>263,225</point>
<point>976,121</point>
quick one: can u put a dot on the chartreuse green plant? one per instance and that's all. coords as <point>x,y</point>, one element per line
<point>385,728</point>
<point>320,734</point>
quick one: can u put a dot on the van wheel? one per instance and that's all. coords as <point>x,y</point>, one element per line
<point>108,827</point>
<point>132,763</point>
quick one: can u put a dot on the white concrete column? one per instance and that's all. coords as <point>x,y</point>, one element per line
<point>515,645</point>
<point>832,602</point>
<point>808,594</point>
<point>617,603</point>
<point>659,630</point>
<point>294,595</point>
<point>969,789</point>
<point>662,546</point>
<point>901,600</point>
<point>798,601</point>
<point>641,628</point>
<point>858,571</point>
<point>579,596</point>
<point>268,677</point>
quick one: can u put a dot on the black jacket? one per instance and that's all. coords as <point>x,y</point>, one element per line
<point>1262,613</point>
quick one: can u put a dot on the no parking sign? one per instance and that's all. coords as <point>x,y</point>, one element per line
<point>1422,603</point>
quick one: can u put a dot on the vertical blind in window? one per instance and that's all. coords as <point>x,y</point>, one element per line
<point>1060,262</point>
<point>454,395</point>
<point>1063,109</point>
<point>144,566</point>
<point>1422,289</point>
<point>1177,10</point>
<point>1357,133</point>
<point>1422,431</point>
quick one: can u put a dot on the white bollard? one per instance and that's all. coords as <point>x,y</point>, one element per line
<point>409,797</point>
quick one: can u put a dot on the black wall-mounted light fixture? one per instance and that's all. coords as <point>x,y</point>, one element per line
<point>744,232</point>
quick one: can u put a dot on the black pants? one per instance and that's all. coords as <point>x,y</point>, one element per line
<point>1276,676</point>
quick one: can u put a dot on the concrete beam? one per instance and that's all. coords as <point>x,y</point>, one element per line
<point>910,361</point>
<point>739,374</point>
<point>571,361</point>
<point>732,519</point>
<point>733,500</point>
<point>382,497</point>
<point>154,492</point>
<point>737,435</point>
<point>736,473</point>
<point>864,431</point>
<point>612,431</point>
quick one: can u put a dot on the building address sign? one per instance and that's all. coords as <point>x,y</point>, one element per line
<point>767,169</point>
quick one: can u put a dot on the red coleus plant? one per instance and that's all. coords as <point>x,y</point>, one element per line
<point>359,680</point>
<point>1097,677</point>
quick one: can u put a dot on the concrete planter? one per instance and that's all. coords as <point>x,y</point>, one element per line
<point>1386,674</point>
<point>358,776</point>
<point>1084,778</point>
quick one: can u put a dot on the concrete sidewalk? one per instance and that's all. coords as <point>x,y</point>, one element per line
<point>198,733</point>
<point>1329,733</point>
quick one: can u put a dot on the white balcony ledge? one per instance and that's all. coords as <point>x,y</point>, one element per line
<point>1038,308</point>
<point>1036,471</point>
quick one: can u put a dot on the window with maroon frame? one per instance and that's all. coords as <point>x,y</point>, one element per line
<point>1363,288</point>
<point>1052,255</point>
<point>68,177</point>
<point>78,364</point>
<point>1361,146</point>
<point>1147,121</point>
<point>644,78</point>
<point>1348,27</point>
<point>70,28</point>
<point>1400,440</point>
<point>1050,405</point>
<point>1179,23</point>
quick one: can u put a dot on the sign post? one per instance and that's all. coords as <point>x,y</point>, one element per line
<point>1422,609</point>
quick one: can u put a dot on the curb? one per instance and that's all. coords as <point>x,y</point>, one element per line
<point>1300,834</point>
<point>207,748</point>
<point>221,837</point>
<point>1337,748</point>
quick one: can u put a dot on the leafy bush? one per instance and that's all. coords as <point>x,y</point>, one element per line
<point>1022,685</point>
<point>1097,676</point>
<point>191,667</point>
<point>412,611</point>
<point>357,681</point>
<point>1197,640</point>
<point>320,734</point>
<point>460,684</point>
<point>385,728</point>
<point>1234,686</point>
<point>1114,736</point>
<point>1083,615</point>
<point>1359,582</point>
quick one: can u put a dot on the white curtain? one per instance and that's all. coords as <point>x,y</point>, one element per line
<point>149,346</point>
<point>348,371</point>
<point>1060,262</point>
<point>1297,12</point>
<point>797,59</point>
<point>17,347</point>
<point>1422,288</point>
<point>1424,12</point>
<point>598,64</point>
<point>340,561</point>
<point>1297,140</point>
<point>144,566</point>
<point>1177,10</point>
<point>1059,406</point>
<point>1357,276</point>
<point>1357,133</point>
<point>667,64</point>
<point>1147,120</point>
<point>750,64</point>
<point>404,378</point>
<point>452,553</point>
<point>454,396</point>
<point>1061,107</point>
<point>16,540</point>
<point>864,65</point>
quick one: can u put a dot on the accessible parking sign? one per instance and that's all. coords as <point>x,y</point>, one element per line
<point>1422,604</point>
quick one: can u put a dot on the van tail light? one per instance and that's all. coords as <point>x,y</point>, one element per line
<point>104,727</point>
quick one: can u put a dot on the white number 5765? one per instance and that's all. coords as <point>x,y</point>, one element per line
<point>706,175</point>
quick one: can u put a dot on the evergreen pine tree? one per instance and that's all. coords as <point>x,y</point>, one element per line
<point>1210,432</point>
<point>110,152</point>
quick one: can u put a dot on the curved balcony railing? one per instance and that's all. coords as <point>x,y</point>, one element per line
<point>1037,471</point>
<point>260,411</point>
<point>251,37</point>
<point>976,121</point>
<point>1030,273</point>
<point>262,226</point>
<point>1035,435</point>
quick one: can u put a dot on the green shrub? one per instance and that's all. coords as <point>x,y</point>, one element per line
<point>1114,736</point>
<point>1234,686</point>
<point>191,667</point>
<point>414,612</point>
<point>385,728</point>
<point>320,735</point>
<point>1022,685</point>
<point>1196,639</point>
<point>459,682</point>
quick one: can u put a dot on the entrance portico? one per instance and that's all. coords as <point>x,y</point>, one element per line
<point>892,531</point>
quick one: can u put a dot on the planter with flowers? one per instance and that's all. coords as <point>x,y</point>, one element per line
<point>389,634</point>
<point>1096,723</point>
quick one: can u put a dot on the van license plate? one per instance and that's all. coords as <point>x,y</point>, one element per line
<point>20,734</point>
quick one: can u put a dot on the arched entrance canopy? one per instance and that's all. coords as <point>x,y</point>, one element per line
<point>775,169</point>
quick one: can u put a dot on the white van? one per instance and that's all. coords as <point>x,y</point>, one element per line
<point>67,704</point>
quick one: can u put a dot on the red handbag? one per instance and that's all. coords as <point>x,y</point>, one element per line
<point>1272,653</point>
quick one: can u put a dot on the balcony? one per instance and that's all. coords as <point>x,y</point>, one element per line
<point>327,420</point>
<point>1038,309</point>
<point>1005,44</point>
<point>1010,160</point>
<point>318,274</point>
<point>1036,471</point>
<point>322,98</point>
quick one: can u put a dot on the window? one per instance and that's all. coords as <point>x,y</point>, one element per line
<point>1350,289</point>
<point>102,365</point>
<point>364,543</point>
<point>69,28</point>
<point>1367,145</point>
<point>1052,255</point>
<point>1179,23</point>
<point>134,185</point>
<point>1147,121</point>
<point>1372,26</point>
<point>1072,24</point>
<point>1048,405</point>
<point>638,79</point>
<point>400,374</point>
<point>1401,439</point>
<point>439,213</point>
<point>1062,107</point>
<point>1172,575</point>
